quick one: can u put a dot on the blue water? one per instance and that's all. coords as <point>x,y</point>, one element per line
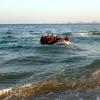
<point>23,60</point>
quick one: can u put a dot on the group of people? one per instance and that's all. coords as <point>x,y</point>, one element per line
<point>51,39</point>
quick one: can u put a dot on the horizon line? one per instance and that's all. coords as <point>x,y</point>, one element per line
<point>54,23</point>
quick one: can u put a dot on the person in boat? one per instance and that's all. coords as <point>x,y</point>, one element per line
<point>67,38</point>
<point>44,39</point>
<point>58,39</point>
<point>51,39</point>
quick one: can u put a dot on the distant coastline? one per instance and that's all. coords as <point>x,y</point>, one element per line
<point>69,23</point>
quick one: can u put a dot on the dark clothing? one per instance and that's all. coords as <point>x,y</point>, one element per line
<point>50,39</point>
<point>67,38</point>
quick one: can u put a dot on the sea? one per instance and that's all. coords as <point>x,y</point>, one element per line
<point>32,71</point>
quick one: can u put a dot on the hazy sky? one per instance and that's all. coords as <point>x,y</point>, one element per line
<point>49,11</point>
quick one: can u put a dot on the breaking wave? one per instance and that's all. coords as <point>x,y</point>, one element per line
<point>35,89</point>
<point>54,85</point>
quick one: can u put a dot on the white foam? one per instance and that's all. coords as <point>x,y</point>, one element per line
<point>96,73</point>
<point>5,91</point>
<point>84,33</point>
<point>26,85</point>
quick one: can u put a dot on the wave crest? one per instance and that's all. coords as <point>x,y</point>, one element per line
<point>47,87</point>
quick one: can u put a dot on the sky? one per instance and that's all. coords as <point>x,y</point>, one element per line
<point>49,11</point>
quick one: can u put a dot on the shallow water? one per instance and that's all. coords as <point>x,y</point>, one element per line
<point>31,71</point>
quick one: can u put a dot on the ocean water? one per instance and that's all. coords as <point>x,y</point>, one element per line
<point>31,71</point>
